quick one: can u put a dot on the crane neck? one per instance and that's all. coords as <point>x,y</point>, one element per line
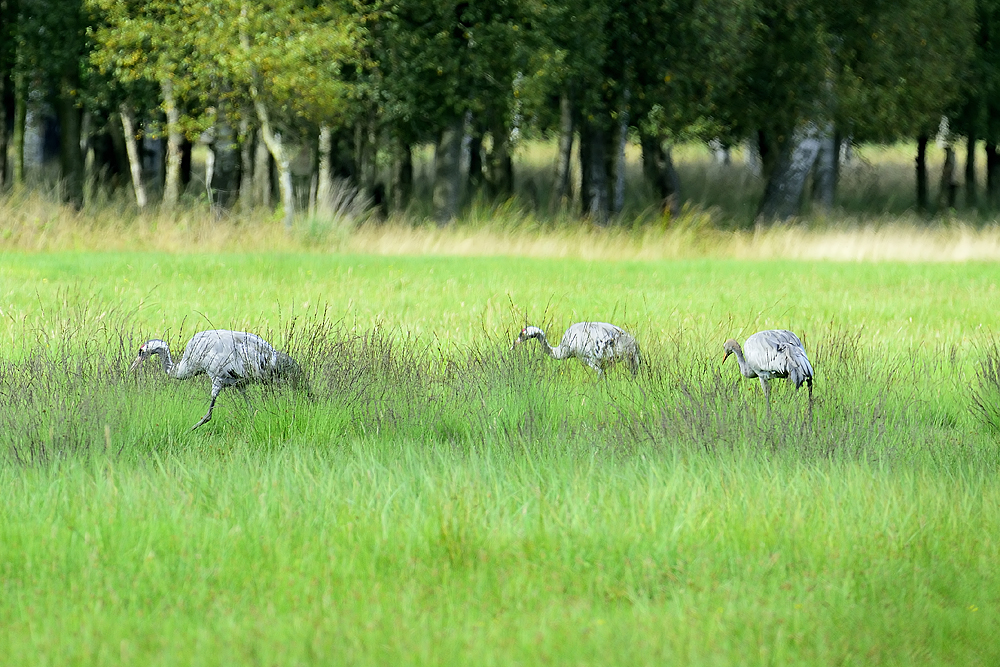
<point>557,352</point>
<point>166,360</point>
<point>741,360</point>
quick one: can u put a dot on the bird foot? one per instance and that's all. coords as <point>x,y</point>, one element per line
<point>203,420</point>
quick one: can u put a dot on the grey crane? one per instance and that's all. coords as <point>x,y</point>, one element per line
<point>774,353</point>
<point>597,344</point>
<point>229,358</point>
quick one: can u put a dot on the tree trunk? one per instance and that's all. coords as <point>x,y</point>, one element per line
<point>827,168</point>
<point>402,176</point>
<point>971,190</point>
<point>111,153</point>
<point>262,184</point>
<point>324,185</point>
<point>172,180</point>
<point>658,170</point>
<point>246,165</point>
<point>134,159</point>
<point>767,150</point>
<point>364,156</point>
<point>501,166</point>
<point>4,137</point>
<point>225,181</point>
<point>281,160</point>
<point>447,172</point>
<point>922,173</point>
<point>783,193</point>
<point>475,161</point>
<point>272,140</point>
<point>618,198</point>
<point>594,166</point>
<point>948,187</point>
<point>187,147</point>
<point>560,188</point>
<point>70,155</point>
<point>992,174</point>
<point>20,123</point>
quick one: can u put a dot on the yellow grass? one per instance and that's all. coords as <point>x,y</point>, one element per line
<point>35,223</point>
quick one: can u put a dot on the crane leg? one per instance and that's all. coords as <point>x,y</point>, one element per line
<point>767,396</point>
<point>809,386</point>
<point>211,406</point>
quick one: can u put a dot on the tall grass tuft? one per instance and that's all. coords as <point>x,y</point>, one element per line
<point>67,394</point>
<point>986,391</point>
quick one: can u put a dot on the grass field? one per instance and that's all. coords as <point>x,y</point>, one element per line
<point>447,501</point>
<point>441,499</point>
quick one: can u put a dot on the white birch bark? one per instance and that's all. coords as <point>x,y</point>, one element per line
<point>783,194</point>
<point>324,187</point>
<point>172,181</point>
<point>134,159</point>
<point>272,140</point>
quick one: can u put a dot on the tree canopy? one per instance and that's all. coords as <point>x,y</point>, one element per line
<point>380,77</point>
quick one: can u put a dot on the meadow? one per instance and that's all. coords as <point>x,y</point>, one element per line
<point>442,499</point>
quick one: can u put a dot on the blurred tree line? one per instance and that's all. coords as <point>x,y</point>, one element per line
<point>297,97</point>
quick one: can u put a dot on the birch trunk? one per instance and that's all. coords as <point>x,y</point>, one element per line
<point>282,161</point>
<point>262,186</point>
<point>272,140</point>
<point>246,166</point>
<point>827,164</point>
<point>134,159</point>
<point>324,187</point>
<point>172,180</point>
<point>783,193</point>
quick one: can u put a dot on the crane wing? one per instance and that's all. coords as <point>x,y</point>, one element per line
<point>778,353</point>
<point>228,355</point>
<point>589,336</point>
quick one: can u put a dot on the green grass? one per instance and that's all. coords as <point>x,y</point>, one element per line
<point>447,501</point>
<point>367,555</point>
<point>454,299</point>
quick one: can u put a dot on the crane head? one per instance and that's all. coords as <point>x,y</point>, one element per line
<point>527,333</point>
<point>146,350</point>
<point>730,346</point>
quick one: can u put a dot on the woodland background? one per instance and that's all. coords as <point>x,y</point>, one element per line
<point>327,106</point>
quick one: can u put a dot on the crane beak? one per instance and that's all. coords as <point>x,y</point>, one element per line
<point>726,356</point>
<point>135,364</point>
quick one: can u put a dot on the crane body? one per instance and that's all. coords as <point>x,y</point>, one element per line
<point>228,358</point>
<point>774,353</point>
<point>596,344</point>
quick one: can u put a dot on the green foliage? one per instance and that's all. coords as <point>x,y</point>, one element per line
<point>439,60</point>
<point>217,50</point>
